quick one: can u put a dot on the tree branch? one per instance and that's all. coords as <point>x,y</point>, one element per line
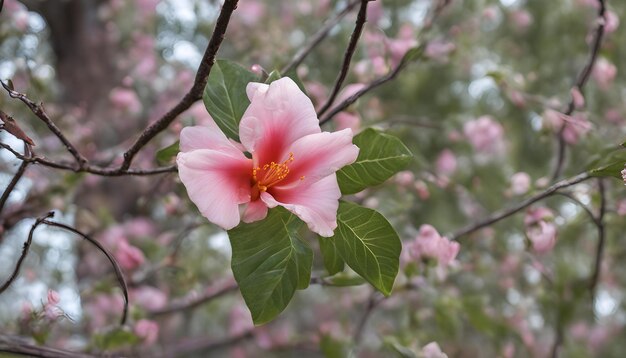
<point>582,79</point>
<point>21,346</point>
<point>195,93</point>
<point>116,267</point>
<point>597,267</point>
<point>317,38</point>
<point>347,58</point>
<point>191,302</point>
<point>40,112</point>
<point>504,213</point>
<point>202,344</point>
<point>25,251</point>
<point>16,178</point>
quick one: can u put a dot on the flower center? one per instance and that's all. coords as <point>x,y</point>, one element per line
<point>268,175</point>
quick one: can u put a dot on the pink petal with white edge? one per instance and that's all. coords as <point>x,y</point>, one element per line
<point>319,155</point>
<point>206,137</point>
<point>217,183</point>
<point>255,211</point>
<point>315,204</point>
<point>277,116</point>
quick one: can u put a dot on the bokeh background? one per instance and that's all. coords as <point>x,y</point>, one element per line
<point>479,110</point>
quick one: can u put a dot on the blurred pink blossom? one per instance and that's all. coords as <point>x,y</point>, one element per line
<point>439,50</point>
<point>346,119</point>
<point>239,320</point>
<point>577,98</point>
<point>446,162</point>
<point>623,172</point>
<point>604,73</point>
<point>125,99</point>
<point>404,178</point>
<point>432,350</point>
<point>430,244</point>
<point>148,297</point>
<point>621,205</point>
<point>399,46</point>
<point>521,19</point>
<point>484,134</point>
<point>375,12</point>
<point>147,330</point>
<point>540,229</point>
<point>20,20</point>
<point>128,256</point>
<point>53,297</point>
<point>422,190</point>
<point>614,116</point>
<point>612,22</point>
<point>576,126</point>
<point>250,12</point>
<point>520,183</point>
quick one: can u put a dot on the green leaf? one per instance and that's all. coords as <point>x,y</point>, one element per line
<point>400,350</point>
<point>225,95</point>
<point>368,244</point>
<point>165,155</point>
<point>332,261</point>
<point>273,76</point>
<point>412,55</point>
<point>610,163</point>
<point>270,261</point>
<point>381,156</point>
<point>344,280</point>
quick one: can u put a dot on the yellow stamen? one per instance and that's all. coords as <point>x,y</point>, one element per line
<point>268,175</point>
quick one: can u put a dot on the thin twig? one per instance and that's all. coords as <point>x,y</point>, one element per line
<point>40,112</point>
<point>317,38</point>
<point>558,338</point>
<point>504,213</point>
<point>203,345</point>
<point>16,178</point>
<point>582,79</point>
<point>579,203</point>
<point>22,346</point>
<point>25,251</point>
<point>373,301</point>
<point>88,168</point>
<point>195,93</point>
<point>118,271</point>
<point>347,57</point>
<point>372,85</point>
<point>597,267</point>
<point>189,303</point>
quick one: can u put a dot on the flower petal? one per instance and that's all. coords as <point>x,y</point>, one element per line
<point>319,155</point>
<point>315,204</point>
<point>206,137</point>
<point>255,211</point>
<point>277,116</point>
<point>217,182</point>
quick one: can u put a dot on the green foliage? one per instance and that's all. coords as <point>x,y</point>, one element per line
<point>270,261</point>
<point>333,348</point>
<point>273,76</point>
<point>225,95</point>
<point>115,338</point>
<point>165,155</point>
<point>332,261</point>
<point>609,165</point>
<point>344,280</point>
<point>381,156</point>
<point>368,244</point>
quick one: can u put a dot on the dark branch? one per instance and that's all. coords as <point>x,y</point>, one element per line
<point>116,267</point>
<point>195,93</point>
<point>372,85</point>
<point>347,58</point>
<point>185,304</point>
<point>16,178</point>
<point>597,267</point>
<point>317,38</point>
<point>39,111</point>
<point>374,300</point>
<point>25,251</point>
<point>505,213</point>
<point>582,79</point>
<point>202,344</point>
<point>21,346</point>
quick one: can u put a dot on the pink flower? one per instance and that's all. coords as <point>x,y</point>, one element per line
<point>128,256</point>
<point>439,50</point>
<point>404,178</point>
<point>345,120</point>
<point>576,126</point>
<point>485,134</point>
<point>604,73</point>
<point>293,162</point>
<point>521,19</point>
<point>430,244</point>
<point>53,297</point>
<point>125,100</point>
<point>147,330</point>
<point>520,183</point>
<point>577,98</point>
<point>612,22</point>
<point>446,162</point>
<point>398,47</point>
<point>540,229</point>
<point>148,297</point>
<point>432,350</point>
